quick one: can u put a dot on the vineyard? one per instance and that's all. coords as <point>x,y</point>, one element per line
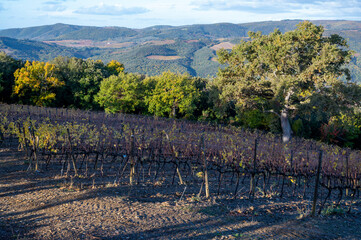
<point>136,150</point>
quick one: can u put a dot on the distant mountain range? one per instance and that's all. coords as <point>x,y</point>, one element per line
<point>152,50</point>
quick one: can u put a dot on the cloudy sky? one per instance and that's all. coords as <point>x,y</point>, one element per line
<point>144,13</point>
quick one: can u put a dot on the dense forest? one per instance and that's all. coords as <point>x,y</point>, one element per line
<point>297,83</point>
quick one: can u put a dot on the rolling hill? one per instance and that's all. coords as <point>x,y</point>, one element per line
<point>48,32</point>
<point>40,51</point>
<point>152,50</point>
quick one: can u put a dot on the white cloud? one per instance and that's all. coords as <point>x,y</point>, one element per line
<point>114,10</point>
<point>303,9</point>
<point>53,7</point>
<point>145,13</point>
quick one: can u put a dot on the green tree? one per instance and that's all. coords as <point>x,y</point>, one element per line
<point>89,84</point>
<point>8,66</point>
<point>174,95</point>
<point>344,130</point>
<point>68,70</point>
<point>122,93</point>
<point>284,73</point>
<point>35,83</point>
<point>82,81</point>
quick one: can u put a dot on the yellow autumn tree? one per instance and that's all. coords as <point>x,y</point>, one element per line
<point>35,83</point>
<point>114,67</point>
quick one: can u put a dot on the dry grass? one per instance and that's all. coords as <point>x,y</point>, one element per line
<point>192,41</point>
<point>161,42</point>
<point>225,45</point>
<point>164,58</point>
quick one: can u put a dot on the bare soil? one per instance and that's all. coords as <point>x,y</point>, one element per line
<point>164,58</point>
<point>45,205</point>
<point>160,42</point>
<point>225,45</point>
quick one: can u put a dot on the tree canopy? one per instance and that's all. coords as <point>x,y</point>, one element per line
<point>35,83</point>
<point>173,95</point>
<point>8,66</point>
<point>287,73</point>
<point>115,67</point>
<point>82,80</point>
<point>122,93</point>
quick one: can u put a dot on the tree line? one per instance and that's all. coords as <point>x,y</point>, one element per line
<point>294,83</point>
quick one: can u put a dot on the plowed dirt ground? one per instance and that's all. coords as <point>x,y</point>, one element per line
<point>45,205</point>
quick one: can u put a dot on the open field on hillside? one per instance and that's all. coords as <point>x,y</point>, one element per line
<point>160,42</point>
<point>90,43</point>
<point>164,58</point>
<point>225,45</point>
<point>105,44</point>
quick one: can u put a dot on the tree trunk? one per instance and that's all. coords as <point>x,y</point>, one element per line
<point>285,123</point>
<point>286,126</point>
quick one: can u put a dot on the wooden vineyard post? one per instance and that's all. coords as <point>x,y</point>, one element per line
<point>347,178</point>
<point>35,150</point>
<point>72,153</point>
<point>131,158</point>
<point>205,169</point>
<point>175,155</point>
<point>316,184</point>
<point>26,147</point>
<point>35,141</point>
<point>2,138</point>
<point>253,182</point>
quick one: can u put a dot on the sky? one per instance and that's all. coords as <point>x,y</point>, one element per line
<point>145,13</point>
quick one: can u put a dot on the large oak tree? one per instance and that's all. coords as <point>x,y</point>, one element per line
<point>300,69</point>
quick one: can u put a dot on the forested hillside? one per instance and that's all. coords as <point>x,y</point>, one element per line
<point>156,49</point>
<point>35,50</point>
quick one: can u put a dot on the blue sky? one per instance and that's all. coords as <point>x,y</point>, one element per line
<point>145,13</point>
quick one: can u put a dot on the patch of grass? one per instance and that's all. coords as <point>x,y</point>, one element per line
<point>239,235</point>
<point>332,210</point>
